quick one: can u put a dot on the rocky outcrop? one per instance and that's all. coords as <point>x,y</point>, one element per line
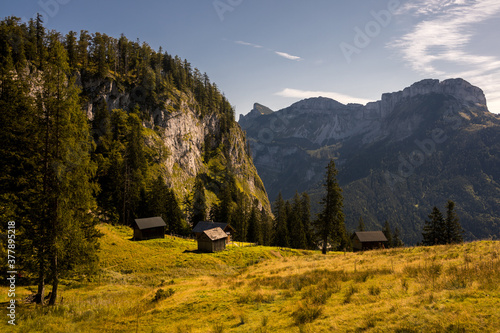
<point>177,128</point>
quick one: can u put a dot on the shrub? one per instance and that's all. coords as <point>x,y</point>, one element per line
<point>162,294</point>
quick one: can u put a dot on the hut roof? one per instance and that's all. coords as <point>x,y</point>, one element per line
<point>207,225</point>
<point>150,222</point>
<point>215,234</point>
<point>371,236</point>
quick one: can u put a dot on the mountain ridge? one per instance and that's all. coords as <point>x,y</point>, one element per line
<point>396,141</point>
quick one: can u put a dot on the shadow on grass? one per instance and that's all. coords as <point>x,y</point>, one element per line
<point>193,251</point>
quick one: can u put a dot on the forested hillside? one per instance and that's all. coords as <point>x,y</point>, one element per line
<point>98,129</point>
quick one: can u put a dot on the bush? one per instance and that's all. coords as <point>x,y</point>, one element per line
<point>162,294</point>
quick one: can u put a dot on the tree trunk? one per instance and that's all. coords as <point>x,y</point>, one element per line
<point>41,284</point>
<point>55,282</point>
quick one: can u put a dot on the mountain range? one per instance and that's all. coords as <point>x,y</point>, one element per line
<point>397,157</point>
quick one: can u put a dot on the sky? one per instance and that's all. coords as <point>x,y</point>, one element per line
<point>277,52</point>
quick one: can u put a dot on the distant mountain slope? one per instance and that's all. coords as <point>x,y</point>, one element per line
<point>398,157</point>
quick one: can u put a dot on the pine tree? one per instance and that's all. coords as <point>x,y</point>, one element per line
<point>161,201</point>
<point>453,228</point>
<point>297,231</point>
<point>306,220</point>
<point>199,205</point>
<point>254,234</point>
<point>266,227</point>
<point>361,224</point>
<point>67,235</point>
<point>434,229</point>
<point>388,233</point>
<point>330,225</point>
<point>396,238</point>
<point>280,227</point>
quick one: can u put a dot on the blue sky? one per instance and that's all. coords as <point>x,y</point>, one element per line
<point>276,52</point>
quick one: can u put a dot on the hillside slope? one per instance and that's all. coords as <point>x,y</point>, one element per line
<point>398,157</point>
<point>264,289</point>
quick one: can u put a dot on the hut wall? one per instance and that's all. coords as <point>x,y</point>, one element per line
<point>150,233</point>
<point>356,244</point>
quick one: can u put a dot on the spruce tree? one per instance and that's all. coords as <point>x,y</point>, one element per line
<point>306,220</point>
<point>280,237</point>
<point>68,237</point>
<point>434,229</point>
<point>361,224</point>
<point>297,231</point>
<point>396,238</point>
<point>199,205</point>
<point>254,234</point>
<point>388,233</point>
<point>330,225</point>
<point>454,230</point>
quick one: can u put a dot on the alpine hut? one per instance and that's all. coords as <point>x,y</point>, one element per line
<point>207,225</point>
<point>368,240</point>
<point>212,240</point>
<point>149,228</point>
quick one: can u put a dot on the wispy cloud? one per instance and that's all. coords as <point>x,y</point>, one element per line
<point>248,44</point>
<point>281,54</point>
<point>440,44</point>
<point>301,94</point>
<point>288,56</point>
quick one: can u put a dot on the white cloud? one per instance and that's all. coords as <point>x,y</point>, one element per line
<point>281,54</point>
<point>443,37</point>
<point>248,44</point>
<point>302,94</point>
<point>288,56</point>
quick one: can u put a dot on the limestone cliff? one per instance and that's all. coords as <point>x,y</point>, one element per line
<point>177,127</point>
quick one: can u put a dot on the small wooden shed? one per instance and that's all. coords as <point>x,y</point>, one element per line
<point>368,240</point>
<point>212,240</point>
<point>149,228</point>
<point>207,225</point>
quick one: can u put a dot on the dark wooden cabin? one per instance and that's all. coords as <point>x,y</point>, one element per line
<point>368,240</point>
<point>207,225</point>
<point>149,228</point>
<point>212,240</point>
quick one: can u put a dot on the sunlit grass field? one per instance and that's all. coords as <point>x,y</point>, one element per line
<point>166,286</point>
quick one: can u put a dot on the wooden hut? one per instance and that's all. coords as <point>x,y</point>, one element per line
<point>207,225</point>
<point>212,240</point>
<point>149,228</point>
<point>368,240</point>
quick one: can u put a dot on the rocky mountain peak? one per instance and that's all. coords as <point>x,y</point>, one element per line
<point>257,111</point>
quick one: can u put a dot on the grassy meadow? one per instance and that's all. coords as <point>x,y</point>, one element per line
<point>165,286</point>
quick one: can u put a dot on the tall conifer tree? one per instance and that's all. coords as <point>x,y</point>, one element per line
<point>330,225</point>
<point>454,230</point>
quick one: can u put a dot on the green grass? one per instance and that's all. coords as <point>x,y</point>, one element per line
<point>166,286</point>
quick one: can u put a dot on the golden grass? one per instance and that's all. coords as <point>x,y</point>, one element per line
<point>264,289</point>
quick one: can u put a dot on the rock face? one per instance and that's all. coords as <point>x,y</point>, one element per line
<point>178,129</point>
<point>394,155</point>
